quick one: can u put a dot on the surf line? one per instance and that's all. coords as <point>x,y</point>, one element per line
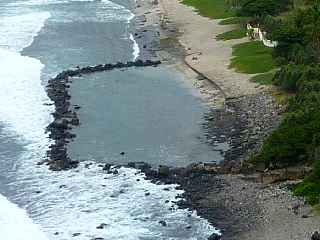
<point>65,115</point>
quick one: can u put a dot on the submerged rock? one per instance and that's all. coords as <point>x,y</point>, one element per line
<point>102,226</point>
<point>106,167</point>
<point>163,223</point>
<point>315,236</point>
<point>214,237</point>
<point>163,171</point>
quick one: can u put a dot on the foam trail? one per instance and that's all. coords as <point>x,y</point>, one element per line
<point>79,200</point>
<point>15,224</point>
<point>45,2</point>
<point>18,32</point>
<point>22,110</point>
<point>136,49</point>
<point>22,97</point>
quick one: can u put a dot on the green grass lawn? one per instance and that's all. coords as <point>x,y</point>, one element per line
<point>310,187</point>
<point>252,57</point>
<point>217,9</point>
<point>234,20</point>
<point>264,78</point>
<point>233,34</point>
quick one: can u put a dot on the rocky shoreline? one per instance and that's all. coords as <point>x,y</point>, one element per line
<point>243,123</point>
<point>234,203</point>
<point>65,115</point>
<point>241,206</point>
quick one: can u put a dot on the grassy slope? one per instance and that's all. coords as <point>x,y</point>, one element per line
<point>233,34</point>
<point>234,20</point>
<point>216,9</point>
<point>252,57</point>
<point>264,78</point>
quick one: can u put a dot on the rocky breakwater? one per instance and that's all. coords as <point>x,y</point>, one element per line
<point>65,115</point>
<point>197,180</point>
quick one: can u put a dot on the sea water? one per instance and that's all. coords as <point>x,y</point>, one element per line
<point>40,38</point>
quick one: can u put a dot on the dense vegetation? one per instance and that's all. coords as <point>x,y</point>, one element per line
<point>295,24</point>
<point>297,140</point>
<point>217,9</point>
<point>296,27</point>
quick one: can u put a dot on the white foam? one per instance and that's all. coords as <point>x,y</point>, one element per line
<point>113,11</point>
<point>46,2</point>
<point>15,224</point>
<point>90,196</point>
<point>22,112</point>
<point>136,49</point>
<point>18,32</point>
<point>79,200</point>
<point>22,97</point>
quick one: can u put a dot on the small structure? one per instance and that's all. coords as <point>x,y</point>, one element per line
<point>255,32</point>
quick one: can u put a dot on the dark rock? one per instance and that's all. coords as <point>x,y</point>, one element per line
<point>87,165</point>
<point>315,236</point>
<point>214,237</point>
<point>75,122</point>
<point>164,171</point>
<point>76,234</point>
<point>122,153</point>
<point>106,167</point>
<point>163,223</point>
<point>147,194</point>
<point>102,226</point>
<point>65,117</point>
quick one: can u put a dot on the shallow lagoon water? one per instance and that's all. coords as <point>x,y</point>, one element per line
<point>150,114</point>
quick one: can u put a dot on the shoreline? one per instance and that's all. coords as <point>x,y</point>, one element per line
<point>65,115</point>
<point>235,203</point>
<point>241,208</point>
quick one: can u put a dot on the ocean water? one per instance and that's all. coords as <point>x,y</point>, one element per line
<point>38,39</point>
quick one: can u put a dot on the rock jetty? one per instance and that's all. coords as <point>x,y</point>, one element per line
<point>65,115</point>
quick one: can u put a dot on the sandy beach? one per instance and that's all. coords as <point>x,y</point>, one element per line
<point>255,211</point>
<point>204,53</point>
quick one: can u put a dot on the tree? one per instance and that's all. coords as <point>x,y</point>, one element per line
<point>261,8</point>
